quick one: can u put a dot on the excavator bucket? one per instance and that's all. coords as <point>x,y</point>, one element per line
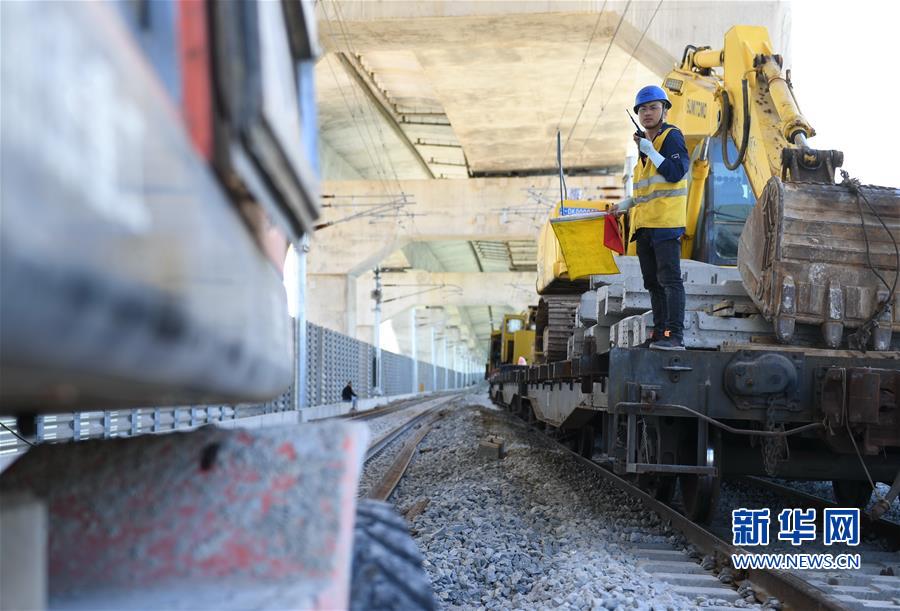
<point>826,255</point>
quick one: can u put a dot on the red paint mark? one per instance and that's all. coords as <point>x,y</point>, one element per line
<point>266,503</point>
<point>234,556</point>
<point>194,52</point>
<point>283,482</point>
<point>287,450</point>
<point>241,554</point>
<point>245,475</point>
<point>164,549</point>
<point>329,545</point>
<point>280,483</point>
<point>279,568</point>
<point>187,511</point>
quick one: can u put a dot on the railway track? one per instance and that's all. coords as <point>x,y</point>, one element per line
<point>875,586</point>
<point>884,530</point>
<point>392,407</point>
<point>383,440</point>
<point>415,428</point>
<point>383,489</point>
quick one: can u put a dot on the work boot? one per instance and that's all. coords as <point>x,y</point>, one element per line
<point>650,339</point>
<point>669,341</point>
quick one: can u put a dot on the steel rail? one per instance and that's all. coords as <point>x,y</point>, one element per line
<point>792,591</point>
<point>393,406</point>
<point>383,489</point>
<point>881,528</point>
<point>385,440</point>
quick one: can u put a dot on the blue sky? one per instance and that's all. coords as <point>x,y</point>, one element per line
<point>845,66</point>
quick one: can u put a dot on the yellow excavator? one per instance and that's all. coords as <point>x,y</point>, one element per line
<point>809,251</point>
<point>514,340</point>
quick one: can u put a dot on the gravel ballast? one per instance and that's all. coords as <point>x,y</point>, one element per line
<point>534,530</point>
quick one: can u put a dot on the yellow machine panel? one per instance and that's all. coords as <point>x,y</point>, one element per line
<point>552,272</point>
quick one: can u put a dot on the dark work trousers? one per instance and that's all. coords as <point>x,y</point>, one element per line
<point>661,269</point>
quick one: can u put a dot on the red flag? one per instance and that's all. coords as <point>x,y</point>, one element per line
<point>612,239</point>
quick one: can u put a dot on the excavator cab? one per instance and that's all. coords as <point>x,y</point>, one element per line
<point>727,202</point>
<point>494,354</point>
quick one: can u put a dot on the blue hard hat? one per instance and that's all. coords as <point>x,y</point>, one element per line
<point>651,93</point>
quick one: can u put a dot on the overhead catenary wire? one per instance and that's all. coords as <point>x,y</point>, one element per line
<point>366,107</point>
<point>367,116</point>
<point>577,76</point>
<point>349,44</point>
<point>400,212</point>
<point>596,77</point>
<point>374,210</point>
<point>618,81</point>
<point>371,153</point>
<point>369,144</point>
<point>353,119</point>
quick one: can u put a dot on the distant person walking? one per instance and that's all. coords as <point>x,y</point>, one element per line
<point>349,396</point>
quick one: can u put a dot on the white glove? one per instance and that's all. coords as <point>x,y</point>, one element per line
<point>622,206</point>
<point>646,148</point>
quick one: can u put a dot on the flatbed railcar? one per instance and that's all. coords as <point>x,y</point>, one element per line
<point>697,416</point>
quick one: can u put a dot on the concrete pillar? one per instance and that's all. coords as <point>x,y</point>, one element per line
<point>326,303</point>
<point>301,358</point>
<point>454,356</point>
<point>23,552</point>
<point>413,350</point>
<point>350,283</point>
<point>444,362</point>
<point>376,332</point>
<point>433,362</point>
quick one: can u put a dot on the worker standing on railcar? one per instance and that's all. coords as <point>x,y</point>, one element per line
<point>658,212</point>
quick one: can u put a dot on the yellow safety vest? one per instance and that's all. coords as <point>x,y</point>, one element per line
<point>657,202</point>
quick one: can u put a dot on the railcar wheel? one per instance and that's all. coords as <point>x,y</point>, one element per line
<point>529,415</point>
<point>585,441</point>
<point>660,487</point>
<point>515,406</point>
<point>700,493</point>
<point>851,492</point>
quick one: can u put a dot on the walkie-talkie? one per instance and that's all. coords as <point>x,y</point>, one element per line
<point>639,133</point>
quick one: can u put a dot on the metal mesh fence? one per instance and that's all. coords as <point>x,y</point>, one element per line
<point>333,359</point>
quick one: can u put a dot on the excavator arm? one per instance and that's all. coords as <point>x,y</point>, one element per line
<point>755,106</point>
<point>811,252</point>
